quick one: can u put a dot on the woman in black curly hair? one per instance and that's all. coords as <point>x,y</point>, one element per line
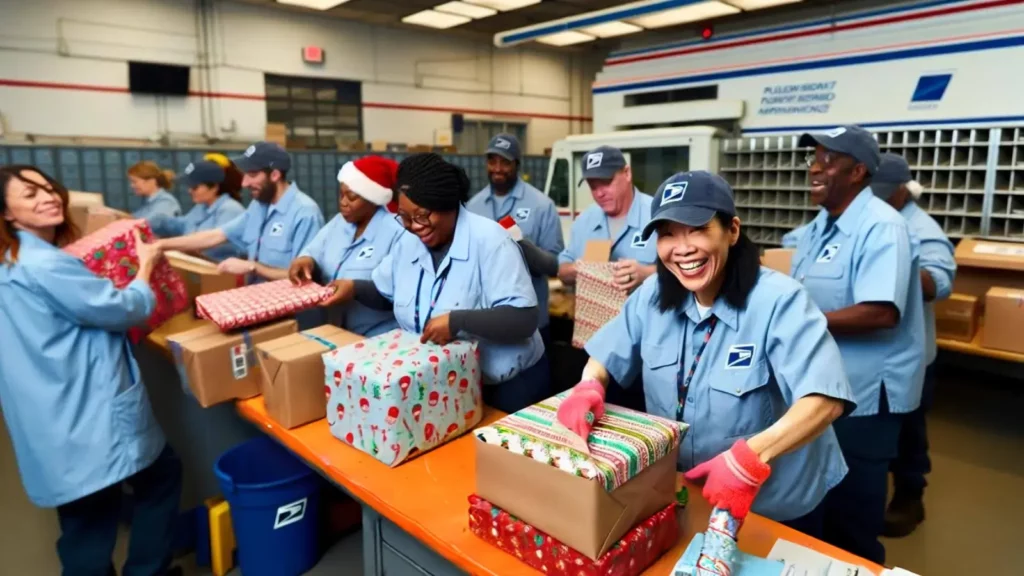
<point>457,275</point>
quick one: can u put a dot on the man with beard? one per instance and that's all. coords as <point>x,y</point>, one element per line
<point>273,230</point>
<point>533,216</point>
<point>859,261</point>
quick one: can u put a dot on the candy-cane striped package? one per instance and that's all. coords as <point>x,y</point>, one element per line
<point>259,303</point>
<point>598,300</point>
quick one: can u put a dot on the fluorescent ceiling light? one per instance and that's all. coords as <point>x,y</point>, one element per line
<point>504,5</point>
<point>565,38</point>
<point>758,4</point>
<point>691,13</point>
<point>612,29</point>
<point>314,4</point>
<point>464,9</point>
<point>434,19</point>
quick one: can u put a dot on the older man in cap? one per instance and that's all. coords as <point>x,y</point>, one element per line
<point>529,215</point>
<point>896,185</point>
<point>859,262</point>
<point>274,228</point>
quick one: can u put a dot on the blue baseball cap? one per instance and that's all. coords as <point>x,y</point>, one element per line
<point>893,172</point>
<point>202,172</point>
<point>851,140</point>
<point>603,163</point>
<point>690,198</point>
<point>263,156</point>
<point>506,146</point>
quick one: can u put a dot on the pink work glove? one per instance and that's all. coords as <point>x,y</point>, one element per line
<point>732,479</point>
<point>582,408</point>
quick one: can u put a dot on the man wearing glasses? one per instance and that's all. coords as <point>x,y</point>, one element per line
<point>859,261</point>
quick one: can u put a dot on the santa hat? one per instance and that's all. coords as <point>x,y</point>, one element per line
<point>371,177</point>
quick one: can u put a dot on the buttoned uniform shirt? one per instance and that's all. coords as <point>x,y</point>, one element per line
<point>759,360</point>
<point>162,202</point>
<point>937,259</point>
<point>868,254</point>
<point>201,218</point>
<point>484,268</point>
<point>73,399</point>
<point>339,254</point>
<point>628,244</point>
<point>537,217</point>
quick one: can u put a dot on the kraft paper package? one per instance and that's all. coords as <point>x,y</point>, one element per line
<point>588,502</point>
<point>395,398</point>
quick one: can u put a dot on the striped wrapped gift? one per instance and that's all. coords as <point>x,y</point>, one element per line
<point>622,444</point>
<point>597,299</point>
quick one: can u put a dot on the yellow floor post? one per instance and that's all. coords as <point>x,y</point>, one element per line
<point>222,536</point>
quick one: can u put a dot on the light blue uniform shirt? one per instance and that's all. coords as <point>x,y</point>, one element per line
<point>536,216</point>
<point>936,259</point>
<point>339,255</point>
<point>792,238</point>
<point>760,360</point>
<point>870,255</point>
<point>200,218</point>
<point>72,396</point>
<point>163,202</point>
<point>592,224</point>
<point>275,235</point>
<point>484,268</point>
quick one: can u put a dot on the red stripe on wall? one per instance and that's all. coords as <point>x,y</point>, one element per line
<point>259,97</point>
<point>945,11</point>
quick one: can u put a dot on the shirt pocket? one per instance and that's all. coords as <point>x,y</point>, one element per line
<point>276,250</point>
<point>132,415</point>
<point>660,370</point>
<point>827,282</point>
<point>741,402</point>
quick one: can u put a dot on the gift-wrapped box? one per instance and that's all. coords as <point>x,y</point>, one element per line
<point>598,300</point>
<point>586,501</point>
<point>638,549</point>
<point>110,252</point>
<point>258,303</point>
<point>395,398</point>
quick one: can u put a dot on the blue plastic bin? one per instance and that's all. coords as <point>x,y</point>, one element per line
<point>275,508</point>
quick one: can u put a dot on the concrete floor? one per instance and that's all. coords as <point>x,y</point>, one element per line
<point>974,505</point>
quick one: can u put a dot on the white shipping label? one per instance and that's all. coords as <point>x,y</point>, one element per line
<point>999,250</point>
<point>239,362</point>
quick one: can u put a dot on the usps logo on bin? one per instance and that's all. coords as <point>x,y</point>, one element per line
<point>290,513</point>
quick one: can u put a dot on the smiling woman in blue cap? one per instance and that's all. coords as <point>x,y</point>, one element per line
<point>738,351</point>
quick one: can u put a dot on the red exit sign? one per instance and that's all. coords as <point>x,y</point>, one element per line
<point>313,54</point>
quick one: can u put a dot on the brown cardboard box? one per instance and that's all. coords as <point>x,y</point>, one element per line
<point>576,511</point>
<point>200,276</point>
<point>78,207</point>
<point>222,366</point>
<point>276,133</point>
<point>982,264</point>
<point>956,317</point>
<point>1004,315</point>
<point>292,369</point>
<point>778,259</point>
<point>597,251</point>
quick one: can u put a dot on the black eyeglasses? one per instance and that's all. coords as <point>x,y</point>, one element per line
<point>422,218</point>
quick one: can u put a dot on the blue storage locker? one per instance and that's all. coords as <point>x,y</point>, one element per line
<point>68,171</point>
<point>21,155</point>
<point>3,156</point>
<point>43,158</point>
<point>92,170</point>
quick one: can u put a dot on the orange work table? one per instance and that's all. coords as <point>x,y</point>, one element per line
<point>424,506</point>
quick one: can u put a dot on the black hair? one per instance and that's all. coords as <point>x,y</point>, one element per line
<point>742,267</point>
<point>269,171</point>
<point>432,182</point>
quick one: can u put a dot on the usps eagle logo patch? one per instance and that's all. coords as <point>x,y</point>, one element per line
<point>190,168</point>
<point>502,143</point>
<point>828,253</point>
<point>250,151</point>
<point>276,229</point>
<point>835,133</point>
<point>674,192</point>
<point>523,214</point>
<point>594,160</point>
<point>365,253</point>
<point>741,356</point>
<point>638,241</point>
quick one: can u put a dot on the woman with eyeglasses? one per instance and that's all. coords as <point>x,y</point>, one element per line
<point>459,276</point>
<point>355,241</point>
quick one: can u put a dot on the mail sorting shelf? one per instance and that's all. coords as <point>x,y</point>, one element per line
<point>963,170</point>
<point>103,170</point>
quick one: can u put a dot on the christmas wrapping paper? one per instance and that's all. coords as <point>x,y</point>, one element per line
<point>598,300</point>
<point>258,303</point>
<point>110,252</point>
<point>622,443</point>
<point>633,554</point>
<point>395,398</point>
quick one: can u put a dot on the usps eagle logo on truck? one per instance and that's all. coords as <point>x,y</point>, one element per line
<point>929,91</point>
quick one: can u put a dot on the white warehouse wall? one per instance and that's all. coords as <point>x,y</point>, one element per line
<point>63,73</point>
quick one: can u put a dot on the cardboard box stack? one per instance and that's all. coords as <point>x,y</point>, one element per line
<point>989,284</point>
<point>218,367</point>
<point>587,502</point>
<point>292,369</point>
<point>1004,316</point>
<point>956,318</point>
<point>394,398</point>
<point>598,299</point>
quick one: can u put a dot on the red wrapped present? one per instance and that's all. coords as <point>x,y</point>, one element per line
<point>259,303</point>
<point>637,550</point>
<point>110,252</point>
<point>598,299</point>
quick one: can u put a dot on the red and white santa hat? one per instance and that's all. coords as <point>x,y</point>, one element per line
<point>371,177</point>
